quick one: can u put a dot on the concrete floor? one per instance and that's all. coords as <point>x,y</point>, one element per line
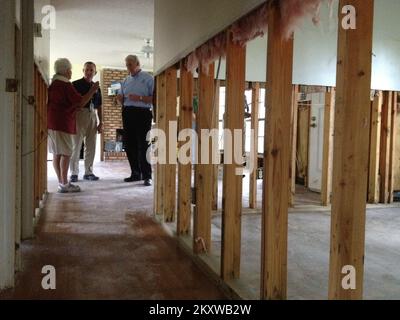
<point>105,245</point>
<point>308,254</point>
<point>308,249</point>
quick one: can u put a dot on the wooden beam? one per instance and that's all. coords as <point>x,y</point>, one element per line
<point>254,145</point>
<point>185,170</point>
<point>28,119</point>
<point>171,88</point>
<point>277,161</point>
<point>232,182</point>
<point>293,144</point>
<point>216,127</point>
<point>18,150</point>
<point>375,144</point>
<point>392,159</point>
<point>37,167</point>
<point>329,116</point>
<point>203,171</point>
<point>351,150</point>
<point>159,185</point>
<point>384,165</point>
<point>7,139</point>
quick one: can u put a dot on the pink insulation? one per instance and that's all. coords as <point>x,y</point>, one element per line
<point>294,11</point>
<point>253,25</point>
<point>207,53</point>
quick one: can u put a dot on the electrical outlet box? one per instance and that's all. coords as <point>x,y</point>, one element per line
<point>11,85</point>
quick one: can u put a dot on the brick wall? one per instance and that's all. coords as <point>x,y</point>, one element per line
<point>112,113</point>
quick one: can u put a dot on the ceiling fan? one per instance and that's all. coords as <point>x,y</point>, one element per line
<point>147,50</point>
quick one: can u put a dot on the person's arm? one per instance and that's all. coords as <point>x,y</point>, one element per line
<point>148,99</point>
<point>75,99</point>
<point>120,96</point>
<point>100,116</point>
<point>86,98</point>
<point>100,113</point>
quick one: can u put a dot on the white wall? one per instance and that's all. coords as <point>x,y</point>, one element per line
<point>42,45</point>
<point>314,53</point>
<point>183,25</point>
<point>17,12</point>
<point>386,59</point>
<point>315,47</point>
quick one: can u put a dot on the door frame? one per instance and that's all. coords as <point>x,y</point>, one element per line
<point>7,139</point>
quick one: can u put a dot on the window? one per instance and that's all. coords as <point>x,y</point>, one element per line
<point>261,117</point>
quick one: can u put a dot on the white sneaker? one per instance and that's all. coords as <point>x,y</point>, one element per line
<point>69,188</point>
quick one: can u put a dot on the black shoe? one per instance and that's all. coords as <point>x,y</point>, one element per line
<point>132,179</point>
<point>148,182</point>
<point>74,178</point>
<point>90,177</point>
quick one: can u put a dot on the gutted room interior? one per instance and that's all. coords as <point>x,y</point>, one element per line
<point>309,211</point>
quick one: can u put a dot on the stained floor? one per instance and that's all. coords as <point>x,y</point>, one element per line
<point>308,254</point>
<point>309,246</point>
<point>104,244</point>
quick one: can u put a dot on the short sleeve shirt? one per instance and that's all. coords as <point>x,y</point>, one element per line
<point>141,84</point>
<point>83,87</point>
<point>62,106</point>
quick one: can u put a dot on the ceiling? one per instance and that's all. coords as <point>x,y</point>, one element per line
<point>103,31</point>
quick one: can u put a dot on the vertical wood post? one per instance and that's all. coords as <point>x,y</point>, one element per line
<point>37,173</point>
<point>393,135</point>
<point>351,149</point>
<point>375,144</point>
<point>18,149</point>
<point>205,169</point>
<point>232,182</point>
<point>216,127</point>
<point>171,88</point>
<point>185,170</point>
<point>7,139</point>
<point>159,185</point>
<point>293,145</point>
<point>28,119</point>
<point>254,144</point>
<point>329,116</point>
<point>277,161</point>
<point>384,165</point>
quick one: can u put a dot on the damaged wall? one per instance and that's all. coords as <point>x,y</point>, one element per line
<point>42,44</point>
<point>315,48</point>
<point>182,26</point>
<point>397,156</point>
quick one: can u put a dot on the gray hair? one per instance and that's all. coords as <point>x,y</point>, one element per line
<point>133,58</point>
<point>61,66</point>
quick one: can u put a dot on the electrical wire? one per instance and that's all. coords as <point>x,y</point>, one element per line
<point>42,121</point>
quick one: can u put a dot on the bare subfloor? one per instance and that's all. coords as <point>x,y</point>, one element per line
<point>308,254</point>
<point>308,249</point>
<point>105,245</point>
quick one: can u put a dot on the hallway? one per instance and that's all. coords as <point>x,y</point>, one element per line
<point>105,245</point>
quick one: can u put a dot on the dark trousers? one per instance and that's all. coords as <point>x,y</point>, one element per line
<point>137,123</point>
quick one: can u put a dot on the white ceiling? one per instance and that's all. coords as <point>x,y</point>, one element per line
<point>104,31</point>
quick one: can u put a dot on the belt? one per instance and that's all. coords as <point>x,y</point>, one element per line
<point>87,110</point>
<point>136,108</point>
